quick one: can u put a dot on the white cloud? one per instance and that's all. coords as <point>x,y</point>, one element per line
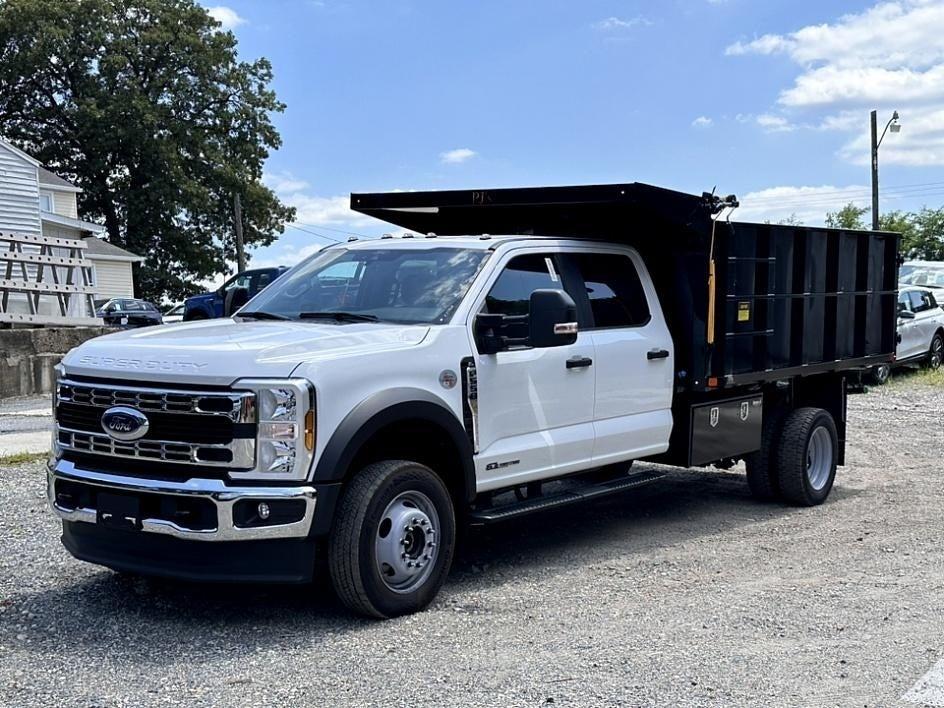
<point>774,124</point>
<point>889,56</point>
<point>702,122</point>
<point>456,156</point>
<point>226,16</point>
<point>313,209</point>
<point>283,183</point>
<point>611,24</point>
<point>809,204</point>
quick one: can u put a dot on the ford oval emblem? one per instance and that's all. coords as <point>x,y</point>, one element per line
<point>123,423</point>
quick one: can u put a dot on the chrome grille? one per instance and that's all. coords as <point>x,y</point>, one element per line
<point>239,453</point>
<point>190,427</point>
<point>236,406</point>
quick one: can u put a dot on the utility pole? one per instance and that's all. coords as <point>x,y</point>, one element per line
<point>873,127</point>
<point>238,219</point>
<point>876,142</point>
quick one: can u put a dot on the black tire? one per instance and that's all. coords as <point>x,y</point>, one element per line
<point>879,375</point>
<point>195,315</point>
<point>352,555</point>
<point>936,352</point>
<point>762,465</point>
<point>794,451</point>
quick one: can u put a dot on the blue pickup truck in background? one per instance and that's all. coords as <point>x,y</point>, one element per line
<point>231,295</point>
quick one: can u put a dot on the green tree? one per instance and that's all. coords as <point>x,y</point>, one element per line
<point>145,106</point>
<point>849,217</point>
<point>927,243</point>
<point>922,232</point>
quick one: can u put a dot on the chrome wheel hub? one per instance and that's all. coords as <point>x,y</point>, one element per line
<point>819,458</point>
<point>405,543</point>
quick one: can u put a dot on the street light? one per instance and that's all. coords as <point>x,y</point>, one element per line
<point>895,128</point>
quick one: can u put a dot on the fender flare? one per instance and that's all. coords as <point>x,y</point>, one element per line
<point>382,409</point>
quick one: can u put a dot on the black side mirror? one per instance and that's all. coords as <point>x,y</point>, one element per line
<point>552,320</point>
<point>906,315</point>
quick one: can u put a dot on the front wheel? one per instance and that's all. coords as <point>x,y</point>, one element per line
<point>807,455</point>
<point>392,542</point>
<point>880,374</point>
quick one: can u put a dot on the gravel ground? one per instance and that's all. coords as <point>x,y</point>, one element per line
<point>685,593</point>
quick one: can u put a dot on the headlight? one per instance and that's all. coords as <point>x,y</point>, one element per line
<point>285,428</point>
<point>55,452</point>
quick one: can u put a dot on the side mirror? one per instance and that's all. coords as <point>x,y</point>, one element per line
<point>552,320</point>
<point>906,315</point>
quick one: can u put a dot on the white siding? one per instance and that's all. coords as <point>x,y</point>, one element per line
<point>19,193</point>
<point>59,231</point>
<point>64,204</point>
<point>112,279</point>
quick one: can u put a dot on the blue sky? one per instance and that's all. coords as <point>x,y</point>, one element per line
<point>768,100</point>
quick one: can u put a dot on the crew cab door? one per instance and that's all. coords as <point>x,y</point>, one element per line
<point>633,354</point>
<point>535,405</point>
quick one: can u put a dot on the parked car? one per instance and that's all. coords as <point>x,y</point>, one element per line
<point>174,314</point>
<point>231,295</point>
<point>920,332</point>
<point>129,312</point>
<point>384,391</point>
<point>927,273</point>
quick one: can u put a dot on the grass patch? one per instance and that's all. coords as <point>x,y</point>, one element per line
<point>21,458</point>
<point>917,375</point>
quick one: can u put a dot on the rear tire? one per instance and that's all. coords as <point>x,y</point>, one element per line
<point>195,315</point>
<point>807,454</point>
<point>393,539</point>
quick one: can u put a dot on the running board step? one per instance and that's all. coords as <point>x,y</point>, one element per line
<point>571,496</point>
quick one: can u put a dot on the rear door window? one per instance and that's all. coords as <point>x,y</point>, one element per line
<point>613,287</point>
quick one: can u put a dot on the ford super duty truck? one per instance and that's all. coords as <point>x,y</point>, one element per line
<point>513,356</point>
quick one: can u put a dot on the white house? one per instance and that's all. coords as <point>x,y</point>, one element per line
<point>36,201</point>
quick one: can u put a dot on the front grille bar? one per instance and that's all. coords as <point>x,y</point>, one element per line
<point>238,454</point>
<point>238,406</point>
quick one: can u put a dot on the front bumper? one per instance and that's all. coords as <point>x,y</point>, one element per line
<point>224,500</point>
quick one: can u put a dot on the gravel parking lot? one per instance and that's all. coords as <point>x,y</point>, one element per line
<point>684,593</point>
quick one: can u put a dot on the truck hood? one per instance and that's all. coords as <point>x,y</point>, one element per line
<point>217,352</point>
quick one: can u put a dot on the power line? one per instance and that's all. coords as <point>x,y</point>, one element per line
<point>799,201</point>
<point>329,228</point>
<point>314,233</point>
<point>916,190</point>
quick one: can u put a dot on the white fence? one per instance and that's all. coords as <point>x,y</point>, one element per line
<point>45,281</point>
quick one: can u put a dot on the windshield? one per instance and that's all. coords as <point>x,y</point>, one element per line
<point>930,273</point>
<point>404,285</point>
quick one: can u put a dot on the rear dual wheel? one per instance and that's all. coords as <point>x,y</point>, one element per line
<point>797,460</point>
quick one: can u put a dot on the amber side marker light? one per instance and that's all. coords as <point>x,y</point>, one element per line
<point>310,430</point>
<point>712,382</point>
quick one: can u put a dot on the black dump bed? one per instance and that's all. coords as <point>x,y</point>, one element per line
<point>786,300</point>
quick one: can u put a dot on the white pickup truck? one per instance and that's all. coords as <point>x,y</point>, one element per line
<point>383,392</point>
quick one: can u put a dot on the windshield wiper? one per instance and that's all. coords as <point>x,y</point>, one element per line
<point>337,316</point>
<point>260,315</point>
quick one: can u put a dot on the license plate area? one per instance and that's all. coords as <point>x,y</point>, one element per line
<point>122,511</point>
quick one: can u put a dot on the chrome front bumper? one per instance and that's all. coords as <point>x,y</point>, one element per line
<point>223,497</point>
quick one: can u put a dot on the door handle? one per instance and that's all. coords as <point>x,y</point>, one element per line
<point>579,362</point>
<point>657,354</point>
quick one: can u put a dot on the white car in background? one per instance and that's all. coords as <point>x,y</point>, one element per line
<point>927,273</point>
<point>920,331</point>
<point>174,314</point>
